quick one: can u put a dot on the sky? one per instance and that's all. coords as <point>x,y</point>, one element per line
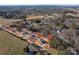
<point>39,2</point>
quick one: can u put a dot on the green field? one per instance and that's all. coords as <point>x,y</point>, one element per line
<point>10,45</point>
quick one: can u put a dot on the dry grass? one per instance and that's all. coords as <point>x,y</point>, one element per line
<point>7,21</point>
<point>11,45</point>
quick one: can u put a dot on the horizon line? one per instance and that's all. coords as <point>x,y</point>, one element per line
<point>39,4</point>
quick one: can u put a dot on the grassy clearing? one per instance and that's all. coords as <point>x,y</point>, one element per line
<point>11,45</point>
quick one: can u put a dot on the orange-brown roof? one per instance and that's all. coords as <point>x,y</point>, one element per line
<point>41,36</point>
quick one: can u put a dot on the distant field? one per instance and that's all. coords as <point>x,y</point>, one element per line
<point>38,17</point>
<point>34,17</point>
<point>7,21</point>
<point>10,44</point>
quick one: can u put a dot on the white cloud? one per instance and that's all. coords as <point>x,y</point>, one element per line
<point>33,2</point>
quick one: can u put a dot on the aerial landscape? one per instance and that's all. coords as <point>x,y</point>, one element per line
<point>39,30</point>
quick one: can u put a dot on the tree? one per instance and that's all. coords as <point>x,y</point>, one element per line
<point>53,43</point>
<point>24,18</point>
<point>74,26</point>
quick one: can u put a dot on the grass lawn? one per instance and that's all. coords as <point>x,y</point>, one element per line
<point>10,45</point>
